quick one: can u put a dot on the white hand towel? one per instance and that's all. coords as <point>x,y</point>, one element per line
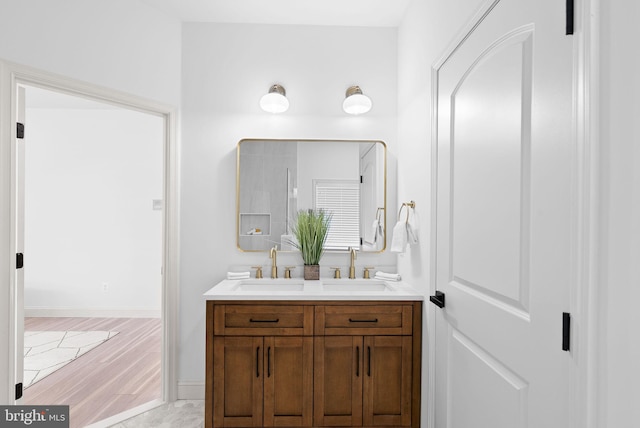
<point>413,225</point>
<point>380,231</point>
<point>399,240</point>
<point>374,231</point>
<point>388,276</point>
<point>238,275</point>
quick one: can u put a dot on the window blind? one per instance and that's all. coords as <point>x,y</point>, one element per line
<point>341,199</point>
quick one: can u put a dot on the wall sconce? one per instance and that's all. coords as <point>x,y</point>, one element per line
<point>275,101</point>
<point>356,102</point>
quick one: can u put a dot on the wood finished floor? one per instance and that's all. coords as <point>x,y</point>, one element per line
<point>122,373</point>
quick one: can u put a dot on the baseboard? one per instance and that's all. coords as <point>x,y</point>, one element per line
<point>40,312</point>
<point>190,390</point>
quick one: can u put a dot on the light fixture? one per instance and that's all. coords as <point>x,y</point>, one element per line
<point>275,101</point>
<point>356,102</point>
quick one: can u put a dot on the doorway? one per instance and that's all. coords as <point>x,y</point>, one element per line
<point>13,79</point>
<point>93,234</point>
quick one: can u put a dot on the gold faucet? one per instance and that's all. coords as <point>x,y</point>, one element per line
<point>274,267</point>
<point>352,266</point>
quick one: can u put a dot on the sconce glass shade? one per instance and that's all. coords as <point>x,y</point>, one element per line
<point>275,101</point>
<point>356,102</point>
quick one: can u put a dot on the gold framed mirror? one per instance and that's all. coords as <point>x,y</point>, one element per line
<point>275,178</point>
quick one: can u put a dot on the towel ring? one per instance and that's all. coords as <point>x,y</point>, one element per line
<point>411,205</point>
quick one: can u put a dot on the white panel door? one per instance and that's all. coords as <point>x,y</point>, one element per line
<point>503,231</point>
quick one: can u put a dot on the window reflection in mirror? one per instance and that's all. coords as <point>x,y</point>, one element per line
<point>276,178</point>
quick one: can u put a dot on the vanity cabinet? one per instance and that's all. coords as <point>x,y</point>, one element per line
<point>363,365</point>
<point>262,365</point>
<point>263,381</point>
<point>306,363</point>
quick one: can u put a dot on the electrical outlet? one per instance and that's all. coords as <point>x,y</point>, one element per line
<point>105,287</point>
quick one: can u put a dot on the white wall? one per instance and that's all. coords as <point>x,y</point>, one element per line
<point>120,44</point>
<point>226,69</point>
<point>620,216</point>
<point>91,175</point>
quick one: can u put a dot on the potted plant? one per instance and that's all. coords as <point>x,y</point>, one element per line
<point>310,229</point>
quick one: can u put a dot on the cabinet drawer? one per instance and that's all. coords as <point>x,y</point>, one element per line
<point>363,320</point>
<point>263,320</point>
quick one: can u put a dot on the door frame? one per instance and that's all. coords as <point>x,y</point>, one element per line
<point>586,335</point>
<point>11,76</point>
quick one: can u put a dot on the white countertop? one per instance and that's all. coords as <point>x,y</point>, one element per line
<point>323,289</point>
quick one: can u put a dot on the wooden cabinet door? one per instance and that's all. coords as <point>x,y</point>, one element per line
<point>338,373</point>
<point>288,381</point>
<point>238,381</point>
<point>387,381</point>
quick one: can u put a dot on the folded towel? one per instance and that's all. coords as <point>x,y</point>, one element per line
<point>238,275</point>
<point>399,240</point>
<point>388,276</point>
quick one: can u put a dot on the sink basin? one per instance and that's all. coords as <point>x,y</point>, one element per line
<point>356,286</point>
<point>269,285</point>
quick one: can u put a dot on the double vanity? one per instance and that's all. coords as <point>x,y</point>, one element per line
<point>324,353</point>
<point>296,353</point>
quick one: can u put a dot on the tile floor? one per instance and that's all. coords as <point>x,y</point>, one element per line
<point>179,414</point>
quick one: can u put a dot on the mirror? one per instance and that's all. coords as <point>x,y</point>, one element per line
<point>276,178</point>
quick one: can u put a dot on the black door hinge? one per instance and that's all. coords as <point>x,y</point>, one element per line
<point>20,130</point>
<point>19,261</point>
<point>569,17</point>
<point>566,331</point>
<point>361,180</point>
<point>19,391</point>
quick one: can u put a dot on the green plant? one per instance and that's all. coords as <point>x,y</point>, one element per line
<point>310,229</point>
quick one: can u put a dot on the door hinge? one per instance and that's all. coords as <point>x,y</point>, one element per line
<point>361,180</point>
<point>19,261</point>
<point>20,130</point>
<point>566,331</point>
<point>19,391</point>
<point>570,15</point>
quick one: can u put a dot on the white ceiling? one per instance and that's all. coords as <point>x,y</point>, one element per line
<point>359,13</point>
